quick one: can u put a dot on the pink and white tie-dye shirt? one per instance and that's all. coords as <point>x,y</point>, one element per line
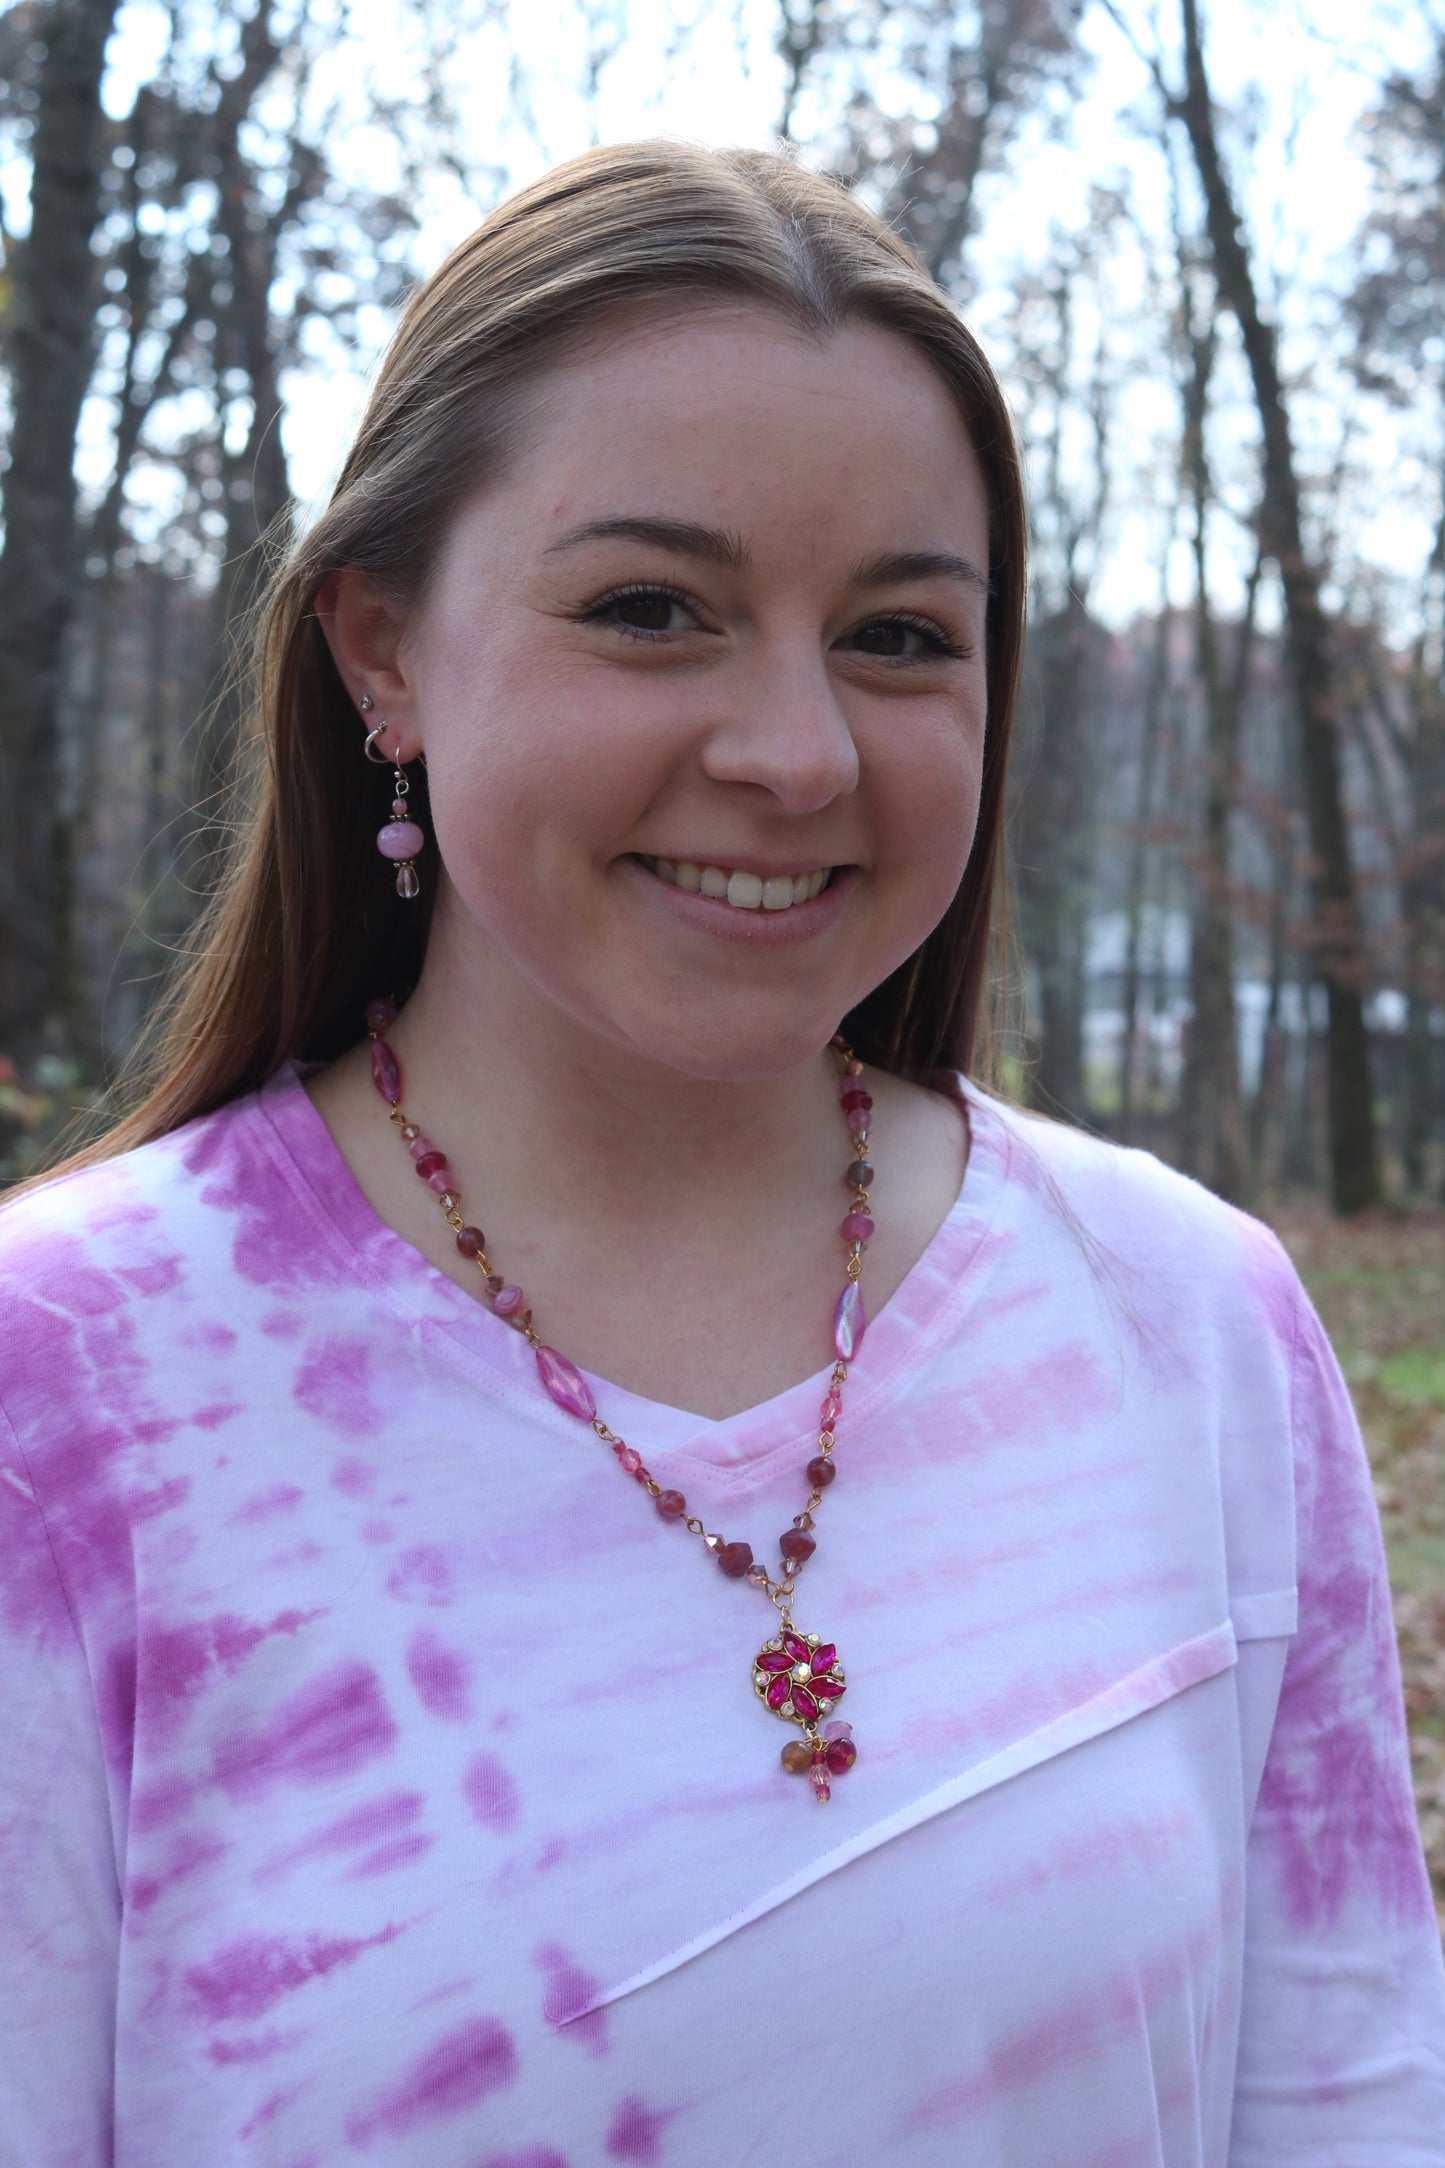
<point>382,1781</point>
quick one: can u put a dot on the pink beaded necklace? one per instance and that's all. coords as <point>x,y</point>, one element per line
<point>797,1676</point>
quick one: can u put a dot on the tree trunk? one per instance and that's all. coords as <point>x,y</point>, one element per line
<point>51,347</point>
<point>1339,956</point>
<point>1139,859</point>
<point>1056,860</point>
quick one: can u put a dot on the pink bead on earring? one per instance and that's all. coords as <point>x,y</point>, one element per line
<point>401,839</point>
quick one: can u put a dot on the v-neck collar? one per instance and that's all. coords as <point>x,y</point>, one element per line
<point>925,1305</point>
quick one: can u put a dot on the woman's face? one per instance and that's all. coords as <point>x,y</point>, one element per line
<point>712,645</point>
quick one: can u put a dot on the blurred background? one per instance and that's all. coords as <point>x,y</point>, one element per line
<point>1202,242</point>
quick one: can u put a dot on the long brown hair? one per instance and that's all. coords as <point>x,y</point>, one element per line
<point>303,924</point>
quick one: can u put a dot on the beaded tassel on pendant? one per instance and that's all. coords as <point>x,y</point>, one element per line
<point>796,1676</point>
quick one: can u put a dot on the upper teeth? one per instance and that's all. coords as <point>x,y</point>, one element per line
<point>745,891</point>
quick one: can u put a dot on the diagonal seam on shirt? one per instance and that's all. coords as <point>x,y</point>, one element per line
<point>1188,1663</point>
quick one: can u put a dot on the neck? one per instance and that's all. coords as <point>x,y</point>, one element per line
<point>571,1124</point>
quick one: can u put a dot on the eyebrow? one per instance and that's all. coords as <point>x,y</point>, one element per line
<point>920,565</point>
<point>714,545</point>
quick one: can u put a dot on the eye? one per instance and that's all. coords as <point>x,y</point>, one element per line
<point>643,612</point>
<point>903,639</point>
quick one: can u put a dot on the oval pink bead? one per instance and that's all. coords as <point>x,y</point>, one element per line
<point>857,1227</point>
<point>850,1322</point>
<point>831,1409</point>
<point>566,1384</point>
<point>508,1301</point>
<point>420,1146</point>
<point>385,1071</point>
<point>858,1120</point>
<point>400,839</point>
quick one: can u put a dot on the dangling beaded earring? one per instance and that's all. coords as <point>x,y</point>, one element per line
<point>401,839</point>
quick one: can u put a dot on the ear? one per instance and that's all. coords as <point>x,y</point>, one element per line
<point>364,633</point>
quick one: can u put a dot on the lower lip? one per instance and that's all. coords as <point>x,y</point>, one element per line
<point>754,929</point>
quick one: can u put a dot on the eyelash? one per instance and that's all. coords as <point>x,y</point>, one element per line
<point>635,590</point>
<point>596,613</point>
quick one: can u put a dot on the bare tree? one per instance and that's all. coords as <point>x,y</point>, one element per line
<point>1339,953</point>
<point>49,351</point>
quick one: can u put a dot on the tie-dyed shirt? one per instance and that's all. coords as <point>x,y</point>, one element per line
<point>383,1781</point>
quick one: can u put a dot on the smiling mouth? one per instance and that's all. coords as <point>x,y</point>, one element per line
<point>744,891</point>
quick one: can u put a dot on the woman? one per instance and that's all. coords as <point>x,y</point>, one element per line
<point>453,1714</point>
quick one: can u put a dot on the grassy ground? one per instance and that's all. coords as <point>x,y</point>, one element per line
<point>1379,1285</point>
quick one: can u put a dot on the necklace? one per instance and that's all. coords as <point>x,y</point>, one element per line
<point>796,1676</point>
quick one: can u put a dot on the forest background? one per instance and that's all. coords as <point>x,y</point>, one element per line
<point>1204,246</point>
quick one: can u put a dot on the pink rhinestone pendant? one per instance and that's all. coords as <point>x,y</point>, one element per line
<point>798,1676</point>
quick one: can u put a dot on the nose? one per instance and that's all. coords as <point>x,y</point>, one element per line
<point>785,732</point>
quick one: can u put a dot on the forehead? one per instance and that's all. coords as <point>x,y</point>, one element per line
<point>732,414</point>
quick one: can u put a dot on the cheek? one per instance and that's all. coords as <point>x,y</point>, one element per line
<point>925,778</point>
<point>532,782</point>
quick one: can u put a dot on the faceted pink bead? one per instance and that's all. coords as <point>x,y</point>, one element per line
<point>420,1146</point>
<point>857,1098</point>
<point>849,1322</point>
<point>778,1693</point>
<point>831,1409</point>
<point>429,1162</point>
<point>818,1776</point>
<point>385,1071</point>
<point>841,1755</point>
<point>440,1181</point>
<point>858,1120</point>
<point>508,1302</point>
<point>803,1702</point>
<point>400,839</point>
<point>824,1658</point>
<point>630,1461</point>
<point>837,1731</point>
<point>566,1384</point>
<point>857,1227</point>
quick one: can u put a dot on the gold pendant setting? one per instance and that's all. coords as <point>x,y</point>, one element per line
<point>798,1676</point>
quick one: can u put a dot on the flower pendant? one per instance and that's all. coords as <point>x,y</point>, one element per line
<point>799,1678</point>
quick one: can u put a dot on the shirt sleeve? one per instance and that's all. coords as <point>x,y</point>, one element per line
<point>1342,2032</point>
<point>59,1901</point>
